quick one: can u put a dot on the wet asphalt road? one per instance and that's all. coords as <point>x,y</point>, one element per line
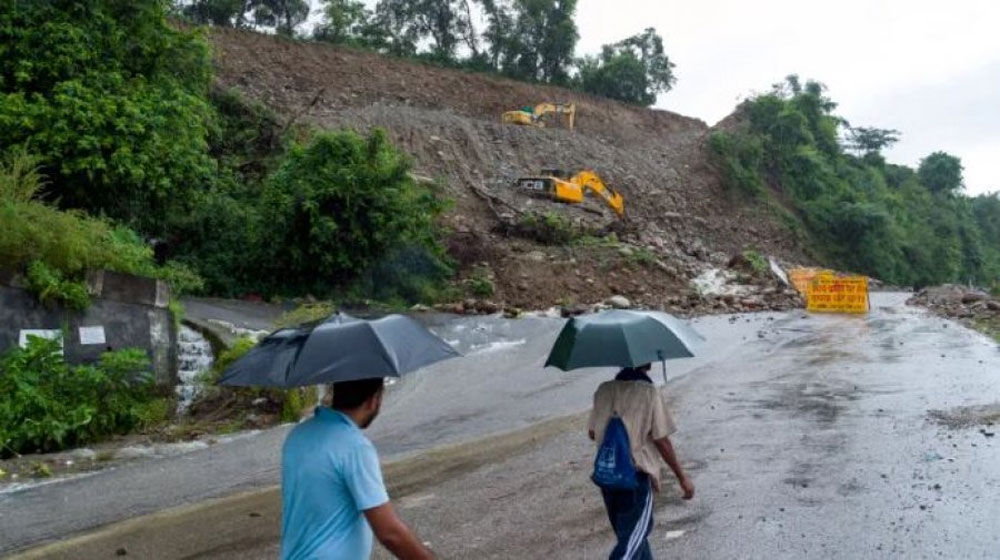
<point>808,437</point>
<point>818,443</point>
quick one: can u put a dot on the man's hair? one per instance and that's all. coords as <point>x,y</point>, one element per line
<point>348,395</point>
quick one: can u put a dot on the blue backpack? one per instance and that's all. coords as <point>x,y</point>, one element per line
<point>613,466</point>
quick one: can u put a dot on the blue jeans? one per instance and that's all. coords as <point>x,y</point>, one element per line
<point>631,516</point>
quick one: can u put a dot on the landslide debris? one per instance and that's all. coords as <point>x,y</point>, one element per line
<point>681,221</point>
<point>970,306</point>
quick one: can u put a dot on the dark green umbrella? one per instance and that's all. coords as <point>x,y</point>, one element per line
<point>622,339</point>
<point>342,348</point>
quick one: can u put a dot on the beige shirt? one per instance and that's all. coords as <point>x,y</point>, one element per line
<point>645,415</point>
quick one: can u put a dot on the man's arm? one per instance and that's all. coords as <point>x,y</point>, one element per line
<point>666,450</point>
<point>390,530</point>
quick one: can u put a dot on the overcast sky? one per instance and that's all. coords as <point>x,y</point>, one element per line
<point>928,68</point>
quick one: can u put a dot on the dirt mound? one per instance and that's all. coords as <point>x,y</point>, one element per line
<point>971,307</point>
<point>958,302</point>
<point>679,215</point>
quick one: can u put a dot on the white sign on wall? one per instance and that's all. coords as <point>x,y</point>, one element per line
<point>51,334</point>
<point>92,335</point>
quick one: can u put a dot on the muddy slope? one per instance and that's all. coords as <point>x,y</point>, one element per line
<point>449,121</point>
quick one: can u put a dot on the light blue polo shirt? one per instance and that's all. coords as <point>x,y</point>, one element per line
<point>329,475</point>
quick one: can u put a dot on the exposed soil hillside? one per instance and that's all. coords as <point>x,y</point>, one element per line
<point>449,121</point>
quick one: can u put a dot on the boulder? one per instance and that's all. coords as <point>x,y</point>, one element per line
<point>972,298</point>
<point>619,302</point>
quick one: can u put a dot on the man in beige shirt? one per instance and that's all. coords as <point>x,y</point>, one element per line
<point>634,398</point>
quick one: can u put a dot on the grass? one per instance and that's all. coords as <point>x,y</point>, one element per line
<point>990,327</point>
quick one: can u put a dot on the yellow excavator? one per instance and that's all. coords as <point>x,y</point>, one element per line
<point>560,186</point>
<point>532,116</point>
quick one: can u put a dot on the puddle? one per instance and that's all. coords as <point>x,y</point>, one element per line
<point>496,346</point>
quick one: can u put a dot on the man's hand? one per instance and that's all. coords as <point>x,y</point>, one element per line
<point>666,450</point>
<point>688,487</point>
<point>390,530</point>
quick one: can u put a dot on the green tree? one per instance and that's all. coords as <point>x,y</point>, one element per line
<point>870,140</point>
<point>222,13</point>
<point>395,22</point>
<point>339,206</point>
<point>941,173</point>
<point>345,21</point>
<point>617,75</point>
<point>445,24</point>
<point>498,34</point>
<point>113,100</point>
<point>633,70</point>
<point>285,16</point>
<point>543,41</point>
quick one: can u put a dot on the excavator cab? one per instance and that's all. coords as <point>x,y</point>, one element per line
<point>555,172</point>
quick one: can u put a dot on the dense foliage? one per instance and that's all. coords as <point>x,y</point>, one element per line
<point>634,70</point>
<point>112,98</point>
<point>55,248</point>
<point>339,205</point>
<point>47,405</point>
<point>906,227</point>
<point>111,105</point>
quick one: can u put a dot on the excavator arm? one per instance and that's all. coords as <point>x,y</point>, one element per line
<point>590,181</point>
<point>568,109</point>
<point>533,115</point>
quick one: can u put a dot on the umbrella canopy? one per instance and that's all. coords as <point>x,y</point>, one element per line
<point>342,348</point>
<point>622,339</point>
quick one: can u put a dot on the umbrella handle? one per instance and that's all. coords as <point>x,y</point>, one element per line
<point>663,362</point>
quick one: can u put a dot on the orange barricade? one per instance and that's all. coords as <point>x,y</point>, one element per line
<point>832,294</point>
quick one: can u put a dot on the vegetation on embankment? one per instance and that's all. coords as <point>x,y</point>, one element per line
<point>55,248</point>
<point>48,405</point>
<point>904,226</point>
<point>113,107</point>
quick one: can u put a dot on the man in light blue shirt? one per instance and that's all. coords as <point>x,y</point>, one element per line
<point>332,492</point>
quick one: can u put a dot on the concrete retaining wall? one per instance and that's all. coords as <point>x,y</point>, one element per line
<point>131,311</point>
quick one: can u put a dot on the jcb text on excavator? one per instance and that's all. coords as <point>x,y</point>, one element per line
<point>560,186</point>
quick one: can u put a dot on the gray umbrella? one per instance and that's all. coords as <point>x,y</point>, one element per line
<point>342,348</point>
<point>622,339</point>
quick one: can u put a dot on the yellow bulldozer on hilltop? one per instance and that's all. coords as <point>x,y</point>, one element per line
<point>559,185</point>
<point>532,116</point>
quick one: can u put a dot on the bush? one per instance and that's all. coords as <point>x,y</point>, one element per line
<point>47,405</point>
<point>113,99</point>
<point>757,261</point>
<point>740,156</point>
<point>51,288</point>
<point>550,228</point>
<point>479,283</point>
<point>57,247</point>
<point>338,205</point>
<point>230,355</point>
